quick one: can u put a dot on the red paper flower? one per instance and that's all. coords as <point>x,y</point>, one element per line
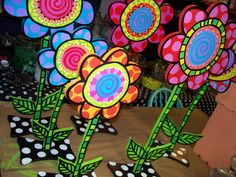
<point>138,22</point>
<point>200,47</point>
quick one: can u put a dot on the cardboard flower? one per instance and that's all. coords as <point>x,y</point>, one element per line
<point>104,83</point>
<point>138,22</point>
<point>200,47</point>
<point>66,52</point>
<point>42,15</point>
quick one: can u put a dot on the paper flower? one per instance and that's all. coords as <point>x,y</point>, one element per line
<point>66,52</point>
<point>104,83</point>
<point>200,47</point>
<point>42,15</point>
<point>138,22</point>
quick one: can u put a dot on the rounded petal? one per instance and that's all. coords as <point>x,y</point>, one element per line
<point>46,58</point>
<point>116,55</point>
<point>75,93</point>
<point>118,38</point>
<point>87,15</point>
<point>115,10</point>
<point>111,112</point>
<point>195,82</point>
<point>16,8</point>
<point>167,13</point>
<point>134,72</point>
<point>68,28</point>
<point>220,86</point>
<point>219,11</point>
<point>140,46</point>
<point>83,33</point>
<point>100,47</point>
<point>230,35</point>
<point>221,64</point>
<point>175,75</point>
<point>88,111</point>
<point>60,37</point>
<point>56,79</point>
<point>131,95</point>
<point>231,59</point>
<point>159,2</point>
<point>157,36</point>
<point>34,30</point>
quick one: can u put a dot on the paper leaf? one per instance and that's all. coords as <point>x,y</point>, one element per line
<point>39,130</point>
<point>49,101</point>
<point>188,138</point>
<point>134,150</point>
<point>23,106</point>
<point>157,152</point>
<point>168,127</point>
<point>90,165</point>
<point>61,134</point>
<point>65,167</point>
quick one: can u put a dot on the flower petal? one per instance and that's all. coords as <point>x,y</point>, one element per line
<point>46,58</point>
<point>221,86</point>
<point>221,64</point>
<point>118,38</point>
<point>111,112</point>
<point>16,8</point>
<point>56,79</point>
<point>195,82</point>
<point>34,30</point>
<point>231,59</point>
<point>219,11</point>
<point>60,37</point>
<point>115,10</point>
<point>75,93</point>
<point>88,111</point>
<point>139,46</point>
<point>116,55</point>
<point>170,46</point>
<point>134,72</point>
<point>167,13</point>
<point>68,28</point>
<point>100,47</point>
<point>175,75</point>
<point>90,63</point>
<point>158,35</point>
<point>83,33</point>
<point>87,15</point>
<point>159,2</point>
<point>131,95</point>
<point>230,35</point>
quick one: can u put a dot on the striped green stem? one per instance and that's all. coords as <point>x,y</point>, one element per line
<point>187,115</point>
<point>84,144</point>
<point>53,120</point>
<point>152,137</point>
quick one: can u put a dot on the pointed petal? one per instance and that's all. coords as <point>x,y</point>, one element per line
<point>56,79</point>
<point>60,37</point>
<point>219,11</point>
<point>175,75</point>
<point>195,82</point>
<point>87,15</point>
<point>167,13</point>
<point>100,47</point>
<point>117,55</point>
<point>88,111</point>
<point>140,46</point>
<point>90,63</point>
<point>111,112</point>
<point>157,36</point>
<point>46,58</point>
<point>83,33</point>
<point>34,30</point>
<point>16,8</point>
<point>134,72</point>
<point>221,64</point>
<point>220,86</point>
<point>118,38</point>
<point>230,35</point>
<point>75,94</point>
<point>131,95</point>
<point>68,28</point>
<point>115,10</point>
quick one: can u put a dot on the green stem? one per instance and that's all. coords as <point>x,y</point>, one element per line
<point>187,115</point>
<point>84,144</point>
<point>152,137</point>
<point>53,120</point>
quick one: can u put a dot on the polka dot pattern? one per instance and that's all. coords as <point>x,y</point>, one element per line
<point>175,75</point>
<point>118,56</point>
<point>46,59</point>
<point>157,36</point>
<point>83,33</point>
<point>118,37</point>
<point>56,79</point>
<point>167,13</point>
<point>87,15</point>
<point>76,93</point>
<point>140,46</point>
<point>134,72</point>
<point>115,11</point>
<point>131,94</point>
<point>221,64</point>
<point>89,111</point>
<point>58,38</point>
<point>195,82</point>
<point>100,47</point>
<point>230,35</point>
<point>111,112</point>
<point>16,8</point>
<point>219,11</point>
<point>45,174</point>
<point>220,86</point>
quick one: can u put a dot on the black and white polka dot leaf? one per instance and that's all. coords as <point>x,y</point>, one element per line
<point>31,150</point>
<point>102,127</point>
<point>90,166</point>
<point>62,133</point>
<point>157,152</point>
<point>126,170</point>
<point>49,101</point>
<point>23,106</point>
<point>134,150</point>
<point>168,127</point>
<point>65,166</point>
<point>188,138</point>
<point>40,131</point>
<point>44,174</point>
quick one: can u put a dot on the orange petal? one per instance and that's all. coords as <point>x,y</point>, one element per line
<point>134,72</point>
<point>111,112</point>
<point>75,93</point>
<point>116,55</point>
<point>70,84</point>
<point>88,111</point>
<point>131,95</point>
